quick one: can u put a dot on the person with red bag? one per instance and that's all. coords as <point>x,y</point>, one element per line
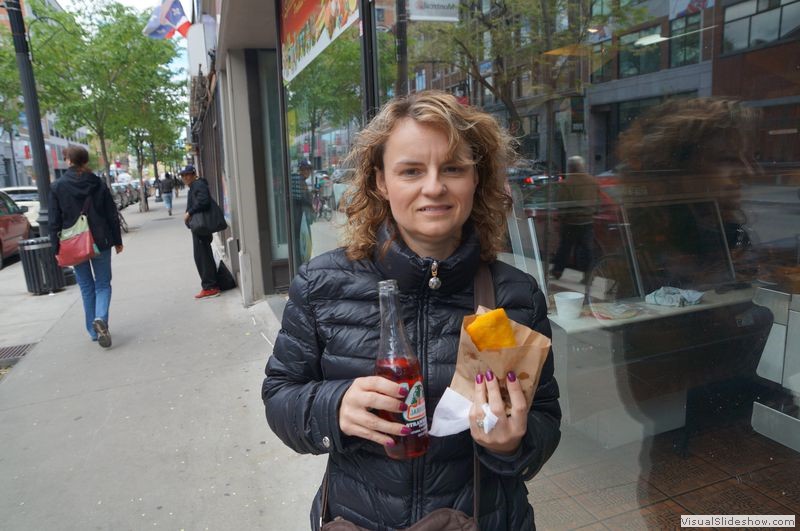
<point>81,191</point>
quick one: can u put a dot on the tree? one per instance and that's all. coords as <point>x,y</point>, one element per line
<point>543,39</point>
<point>86,68</point>
<point>10,90</point>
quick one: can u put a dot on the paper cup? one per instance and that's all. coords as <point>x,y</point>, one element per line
<point>569,304</point>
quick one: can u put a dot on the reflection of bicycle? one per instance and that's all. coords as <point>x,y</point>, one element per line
<point>321,207</point>
<point>122,223</point>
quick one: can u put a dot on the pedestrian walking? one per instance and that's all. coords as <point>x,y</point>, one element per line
<point>78,191</point>
<point>428,207</point>
<point>165,185</point>
<point>198,200</point>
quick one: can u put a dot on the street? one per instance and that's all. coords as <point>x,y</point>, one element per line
<point>164,430</point>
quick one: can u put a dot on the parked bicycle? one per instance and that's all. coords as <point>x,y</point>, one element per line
<point>321,206</point>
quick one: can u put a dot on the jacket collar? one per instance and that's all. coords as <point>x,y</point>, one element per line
<point>413,272</point>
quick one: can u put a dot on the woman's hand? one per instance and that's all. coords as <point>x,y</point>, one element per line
<point>369,393</point>
<point>118,248</point>
<point>507,434</point>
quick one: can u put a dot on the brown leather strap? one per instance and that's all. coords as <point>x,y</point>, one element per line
<point>484,287</point>
<point>484,296</point>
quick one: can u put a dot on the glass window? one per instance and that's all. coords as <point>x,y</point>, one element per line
<point>764,27</point>
<point>790,20</point>
<point>636,57</point>
<point>601,7</point>
<point>736,35</point>
<point>685,41</point>
<point>740,10</point>
<point>601,62</point>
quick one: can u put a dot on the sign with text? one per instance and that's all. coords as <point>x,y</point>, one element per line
<point>433,10</point>
<point>309,26</point>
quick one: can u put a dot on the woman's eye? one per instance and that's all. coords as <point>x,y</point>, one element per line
<point>410,172</point>
<point>453,170</point>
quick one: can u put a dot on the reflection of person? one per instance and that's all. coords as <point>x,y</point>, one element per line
<point>684,154</point>
<point>76,190</point>
<point>165,185</point>
<point>301,208</point>
<point>427,201</point>
<point>199,200</point>
<point>577,196</point>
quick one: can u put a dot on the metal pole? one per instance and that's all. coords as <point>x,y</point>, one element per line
<point>401,25</point>
<point>40,168</point>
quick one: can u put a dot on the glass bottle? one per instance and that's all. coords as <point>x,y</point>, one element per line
<point>397,362</point>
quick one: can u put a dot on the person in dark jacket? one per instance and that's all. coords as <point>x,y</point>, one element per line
<point>428,200</point>
<point>165,186</point>
<point>77,188</point>
<point>199,200</point>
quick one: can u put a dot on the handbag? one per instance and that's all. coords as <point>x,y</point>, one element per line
<point>207,222</point>
<point>444,519</point>
<point>76,243</point>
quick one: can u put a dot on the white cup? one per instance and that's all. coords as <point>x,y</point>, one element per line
<point>569,304</point>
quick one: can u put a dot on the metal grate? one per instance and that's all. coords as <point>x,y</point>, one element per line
<point>11,355</point>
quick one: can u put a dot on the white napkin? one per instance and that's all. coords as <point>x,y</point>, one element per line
<point>452,415</point>
<point>669,296</point>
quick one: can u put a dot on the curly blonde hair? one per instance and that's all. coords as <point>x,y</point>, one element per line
<point>492,148</point>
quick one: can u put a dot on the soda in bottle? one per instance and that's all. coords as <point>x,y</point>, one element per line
<point>397,362</point>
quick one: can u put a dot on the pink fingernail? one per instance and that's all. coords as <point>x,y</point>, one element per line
<point>403,391</point>
<point>479,379</point>
<point>512,377</point>
<point>405,431</point>
<point>489,375</point>
<point>403,406</point>
<point>390,444</point>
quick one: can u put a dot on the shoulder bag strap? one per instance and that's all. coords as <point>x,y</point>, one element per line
<point>85,209</point>
<point>484,296</point>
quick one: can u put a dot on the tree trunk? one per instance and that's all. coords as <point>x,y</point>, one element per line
<point>104,151</point>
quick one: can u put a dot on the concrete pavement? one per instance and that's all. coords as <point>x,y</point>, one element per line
<point>165,430</point>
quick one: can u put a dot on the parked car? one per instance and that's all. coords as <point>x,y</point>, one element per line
<point>27,196</point>
<point>14,227</point>
<point>121,195</point>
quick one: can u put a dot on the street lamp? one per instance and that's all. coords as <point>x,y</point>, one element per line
<point>32,113</point>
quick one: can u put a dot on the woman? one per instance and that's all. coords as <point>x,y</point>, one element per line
<point>68,198</point>
<point>428,200</point>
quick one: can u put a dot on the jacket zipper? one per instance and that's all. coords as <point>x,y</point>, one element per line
<point>422,355</point>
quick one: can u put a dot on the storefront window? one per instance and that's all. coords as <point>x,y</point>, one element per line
<point>680,371</point>
<point>322,87</point>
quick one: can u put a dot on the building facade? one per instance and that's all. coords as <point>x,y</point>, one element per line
<point>681,375</point>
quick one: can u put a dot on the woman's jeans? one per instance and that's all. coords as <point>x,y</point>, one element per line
<point>94,279</point>
<point>167,197</point>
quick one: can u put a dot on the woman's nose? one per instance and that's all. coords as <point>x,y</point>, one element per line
<point>433,184</point>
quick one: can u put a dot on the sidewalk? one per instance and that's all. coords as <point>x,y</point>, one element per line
<point>166,429</point>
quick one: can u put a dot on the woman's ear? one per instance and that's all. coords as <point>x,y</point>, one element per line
<point>380,183</point>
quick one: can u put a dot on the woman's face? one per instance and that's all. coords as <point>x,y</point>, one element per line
<point>430,193</point>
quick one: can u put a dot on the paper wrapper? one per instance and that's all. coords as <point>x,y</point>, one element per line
<point>526,360</point>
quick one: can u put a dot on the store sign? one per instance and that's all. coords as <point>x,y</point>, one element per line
<point>576,117</point>
<point>433,10</point>
<point>682,8</point>
<point>309,26</point>
<point>486,68</point>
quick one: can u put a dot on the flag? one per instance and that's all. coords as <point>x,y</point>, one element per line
<point>167,18</point>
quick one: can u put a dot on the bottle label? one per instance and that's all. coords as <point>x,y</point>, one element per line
<point>416,403</point>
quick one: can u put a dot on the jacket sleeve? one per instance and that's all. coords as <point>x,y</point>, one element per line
<point>111,215</point>
<point>544,417</point>
<point>201,200</point>
<point>55,220</point>
<point>302,407</point>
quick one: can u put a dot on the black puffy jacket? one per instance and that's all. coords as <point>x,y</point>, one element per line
<point>330,336</point>
<point>67,197</point>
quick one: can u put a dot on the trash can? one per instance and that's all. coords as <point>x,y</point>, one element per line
<point>42,273</point>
